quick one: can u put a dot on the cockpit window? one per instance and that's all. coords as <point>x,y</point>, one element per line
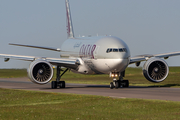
<point>116,50</point>
<point>124,49</point>
<point>109,50</point>
<point>120,50</point>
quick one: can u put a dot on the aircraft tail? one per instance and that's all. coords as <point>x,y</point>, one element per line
<point>70,32</point>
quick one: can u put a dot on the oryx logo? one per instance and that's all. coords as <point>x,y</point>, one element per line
<point>77,45</point>
<point>87,51</point>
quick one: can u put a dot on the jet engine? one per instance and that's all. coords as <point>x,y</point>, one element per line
<point>40,72</point>
<point>155,70</point>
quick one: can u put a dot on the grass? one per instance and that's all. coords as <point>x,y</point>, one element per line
<point>134,75</point>
<point>13,73</point>
<point>18,104</point>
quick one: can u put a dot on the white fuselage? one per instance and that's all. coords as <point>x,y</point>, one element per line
<point>97,55</point>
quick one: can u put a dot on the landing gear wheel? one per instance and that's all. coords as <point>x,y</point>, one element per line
<point>53,84</point>
<point>126,83</point>
<point>58,83</point>
<point>121,85</point>
<point>111,85</point>
<point>62,84</point>
<point>117,85</point>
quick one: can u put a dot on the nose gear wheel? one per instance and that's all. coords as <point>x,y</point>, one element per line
<point>119,83</point>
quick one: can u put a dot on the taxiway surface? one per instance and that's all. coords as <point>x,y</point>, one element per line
<point>160,93</point>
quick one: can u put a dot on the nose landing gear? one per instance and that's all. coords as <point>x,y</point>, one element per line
<point>118,83</point>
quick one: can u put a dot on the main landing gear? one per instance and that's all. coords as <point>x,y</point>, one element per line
<point>118,83</point>
<point>58,83</point>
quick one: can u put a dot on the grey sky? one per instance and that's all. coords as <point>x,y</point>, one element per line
<point>147,26</point>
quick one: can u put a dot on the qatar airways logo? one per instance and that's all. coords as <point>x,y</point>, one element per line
<point>87,51</point>
<point>77,45</point>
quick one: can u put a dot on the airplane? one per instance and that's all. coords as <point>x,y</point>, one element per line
<point>92,55</point>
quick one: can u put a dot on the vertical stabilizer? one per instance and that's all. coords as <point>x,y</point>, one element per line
<point>70,32</point>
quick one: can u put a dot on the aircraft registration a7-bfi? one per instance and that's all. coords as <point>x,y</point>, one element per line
<point>92,55</point>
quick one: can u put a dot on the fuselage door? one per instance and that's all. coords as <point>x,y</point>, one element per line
<point>96,52</point>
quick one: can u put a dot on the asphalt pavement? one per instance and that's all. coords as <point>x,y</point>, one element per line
<point>159,93</point>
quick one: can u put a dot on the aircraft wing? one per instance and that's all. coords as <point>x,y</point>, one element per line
<point>140,58</point>
<point>68,63</point>
<point>39,47</point>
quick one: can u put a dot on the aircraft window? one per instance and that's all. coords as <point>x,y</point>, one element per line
<point>124,49</point>
<point>115,50</point>
<point>120,50</point>
<point>109,50</point>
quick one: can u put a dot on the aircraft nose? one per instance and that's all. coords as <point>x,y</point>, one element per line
<point>108,65</point>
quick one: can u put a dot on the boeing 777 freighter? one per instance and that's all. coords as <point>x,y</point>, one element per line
<point>92,55</point>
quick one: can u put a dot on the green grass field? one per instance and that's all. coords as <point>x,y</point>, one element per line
<point>134,75</point>
<point>28,105</point>
<point>19,104</point>
<point>13,73</point>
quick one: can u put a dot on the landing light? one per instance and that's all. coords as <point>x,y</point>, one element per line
<point>112,75</point>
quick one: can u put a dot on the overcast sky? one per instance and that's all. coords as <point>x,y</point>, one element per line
<point>147,26</point>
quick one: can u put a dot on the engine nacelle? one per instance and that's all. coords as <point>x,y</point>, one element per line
<point>155,70</point>
<point>40,72</point>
